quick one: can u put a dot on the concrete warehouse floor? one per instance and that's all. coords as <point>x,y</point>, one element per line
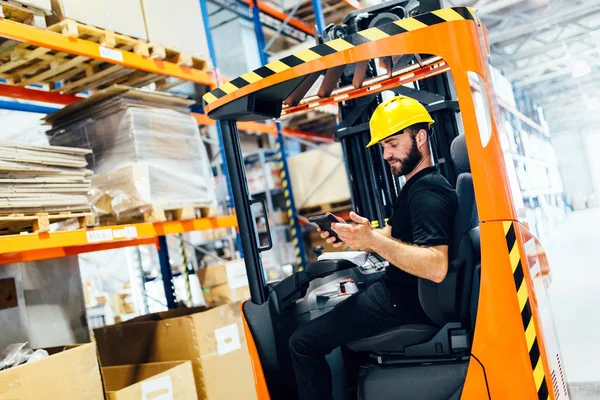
<point>574,256</point>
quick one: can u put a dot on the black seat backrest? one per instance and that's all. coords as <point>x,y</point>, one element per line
<point>449,301</point>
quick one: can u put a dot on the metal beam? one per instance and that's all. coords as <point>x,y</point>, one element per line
<point>282,26</point>
<point>513,32</point>
<point>499,60</point>
<point>559,62</point>
<point>495,6</point>
<point>552,75</point>
<point>560,86</point>
<point>280,16</point>
<point>559,130</point>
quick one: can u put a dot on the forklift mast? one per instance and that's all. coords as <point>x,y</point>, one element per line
<point>372,186</point>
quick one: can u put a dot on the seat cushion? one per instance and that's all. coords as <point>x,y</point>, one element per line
<point>395,340</point>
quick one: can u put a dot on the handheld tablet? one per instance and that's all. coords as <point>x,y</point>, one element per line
<point>324,221</point>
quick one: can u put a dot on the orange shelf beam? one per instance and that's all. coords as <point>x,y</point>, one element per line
<point>281,16</point>
<point>56,41</point>
<point>18,92</point>
<point>40,246</point>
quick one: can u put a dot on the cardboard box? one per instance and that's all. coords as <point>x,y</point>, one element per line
<point>232,273</point>
<point>70,373</point>
<point>319,177</point>
<point>121,16</point>
<point>44,5</point>
<point>224,283</point>
<point>224,294</point>
<point>214,341</point>
<point>189,35</point>
<point>280,218</point>
<point>164,380</point>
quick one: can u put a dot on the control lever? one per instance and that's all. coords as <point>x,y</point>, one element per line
<point>318,250</point>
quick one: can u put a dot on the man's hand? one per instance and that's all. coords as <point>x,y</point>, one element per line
<point>359,236</point>
<point>328,238</point>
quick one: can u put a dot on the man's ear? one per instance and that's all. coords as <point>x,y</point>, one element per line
<point>421,137</point>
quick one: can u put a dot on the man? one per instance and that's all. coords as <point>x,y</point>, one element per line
<point>415,243</point>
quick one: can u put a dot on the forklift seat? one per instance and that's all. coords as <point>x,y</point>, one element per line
<point>448,304</point>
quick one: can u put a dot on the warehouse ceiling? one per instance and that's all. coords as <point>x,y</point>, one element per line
<point>551,49</point>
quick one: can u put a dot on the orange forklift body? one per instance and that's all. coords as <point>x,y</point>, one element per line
<point>514,336</point>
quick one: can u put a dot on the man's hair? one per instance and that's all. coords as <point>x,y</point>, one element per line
<point>414,129</point>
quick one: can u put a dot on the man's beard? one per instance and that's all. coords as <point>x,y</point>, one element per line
<point>409,163</point>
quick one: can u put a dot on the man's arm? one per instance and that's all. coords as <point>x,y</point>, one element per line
<point>425,262</point>
<point>432,213</point>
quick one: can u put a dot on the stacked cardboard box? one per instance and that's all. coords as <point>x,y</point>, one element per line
<point>152,20</point>
<point>224,283</point>
<point>121,16</point>
<point>319,177</point>
<point>36,179</point>
<point>147,150</point>
<point>73,373</point>
<point>213,340</point>
<point>186,15</point>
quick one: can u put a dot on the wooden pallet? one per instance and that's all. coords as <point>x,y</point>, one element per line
<point>103,37</point>
<point>312,121</point>
<point>158,214</point>
<point>23,13</point>
<point>41,222</point>
<point>24,64</point>
<point>325,208</point>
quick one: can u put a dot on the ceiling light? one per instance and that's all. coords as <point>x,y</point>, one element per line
<point>593,104</point>
<point>580,68</point>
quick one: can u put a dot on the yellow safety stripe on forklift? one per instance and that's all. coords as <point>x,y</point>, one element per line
<point>288,205</point>
<point>337,45</point>
<point>526,315</point>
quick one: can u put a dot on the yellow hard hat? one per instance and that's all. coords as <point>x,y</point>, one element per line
<point>394,115</point>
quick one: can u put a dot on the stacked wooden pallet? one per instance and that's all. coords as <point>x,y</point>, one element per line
<point>26,64</point>
<point>23,12</point>
<point>313,121</point>
<point>40,185</point>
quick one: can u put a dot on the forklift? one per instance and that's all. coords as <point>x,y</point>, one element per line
<point>492,334</point>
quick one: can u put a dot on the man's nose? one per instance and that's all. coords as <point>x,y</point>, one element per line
<point>386,154</point>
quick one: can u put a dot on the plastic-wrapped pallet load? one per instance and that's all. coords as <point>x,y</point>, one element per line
<point>147,153</point>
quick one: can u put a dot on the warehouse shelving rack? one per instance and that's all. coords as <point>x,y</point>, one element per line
<point>259,9</point>
<point>524,121</point>
<point>38,246</point>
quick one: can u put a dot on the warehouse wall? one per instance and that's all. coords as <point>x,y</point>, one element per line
<point>573,163</point>
<point>51,310</point>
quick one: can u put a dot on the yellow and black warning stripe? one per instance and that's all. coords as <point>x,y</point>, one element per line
<point>184,268</point>
<point>288,204</point>
<point>337,45</point>
<point>526,314</point>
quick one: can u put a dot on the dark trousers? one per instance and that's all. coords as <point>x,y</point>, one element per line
<point>364,314</point>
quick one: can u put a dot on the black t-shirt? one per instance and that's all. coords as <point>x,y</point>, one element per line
<point>424,214</point>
